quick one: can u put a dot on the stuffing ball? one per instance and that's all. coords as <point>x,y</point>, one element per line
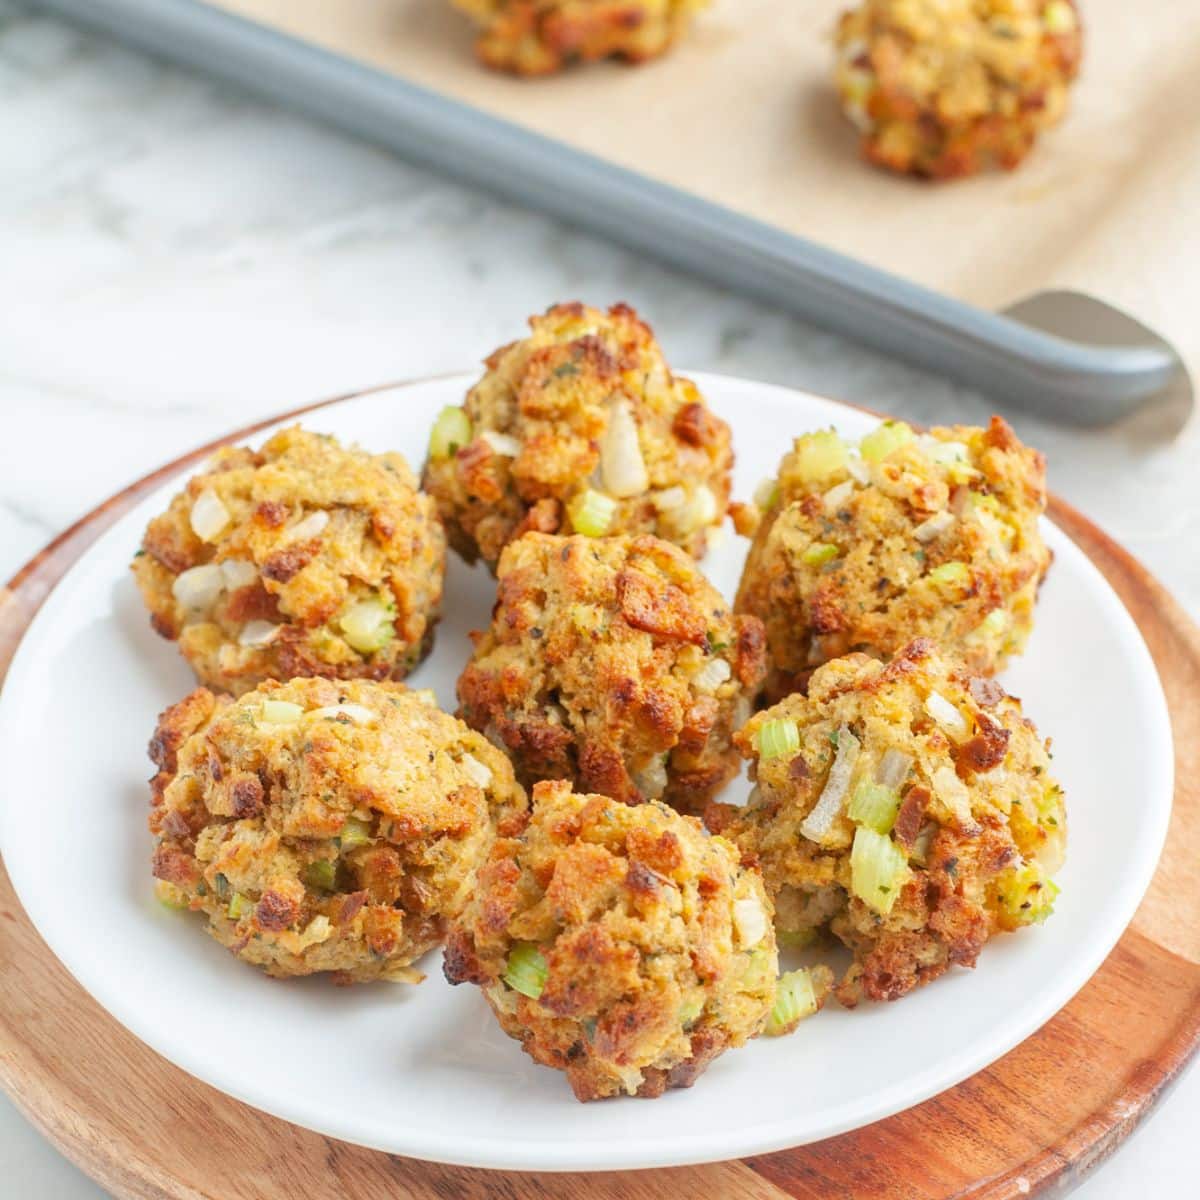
<point>302,558</point>
<point>580,428</point>
<point>325,826</point>
<point>863,548</point>
<point>941,88</point>
<point>621,945</point>
<point>614,663</point>
<point>539,37</point>
<point>907,809</point>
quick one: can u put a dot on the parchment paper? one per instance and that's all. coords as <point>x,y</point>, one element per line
<point>742,113</point>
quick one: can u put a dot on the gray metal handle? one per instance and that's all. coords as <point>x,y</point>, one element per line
<point>996,354</point>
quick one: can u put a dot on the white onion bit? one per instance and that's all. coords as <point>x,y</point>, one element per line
<point>859,471</point>
<point>837,496</point>
<point>934,527</point>
<point>668,498</point>
<point>703,508</point>
<point>312,526</point>
<point>197,588</point>
<point>238,573</point>
<point>893,769</point>
<point>710,676</point>
<point>952,792</point>
<point>946,715</point>
<point>651,780</point>
<point>621,464</point>
<point>480,774</point>
<point>817,824</point>
<point>353,712</point>
<point>503,444</point>
<point>749,921</point>
<point>258,633</point>
<point>209,515</point>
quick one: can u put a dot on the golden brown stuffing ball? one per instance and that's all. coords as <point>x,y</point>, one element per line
<point>580,427</point>
<point>302,558</point>
<point>613,662</point>
<point>943,87</point>
<point>324,825</point>
<point>539,37</point>
<point>621,945</point>
<point>908,809</point>
<point>864,548</point>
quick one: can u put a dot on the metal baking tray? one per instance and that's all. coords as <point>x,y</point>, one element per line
<point>1085,378</point>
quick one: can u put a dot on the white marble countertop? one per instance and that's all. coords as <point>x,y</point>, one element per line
<point>179,260</point>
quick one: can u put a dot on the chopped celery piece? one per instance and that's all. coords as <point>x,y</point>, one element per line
<point>881,442</point>
<point>280,712</point>
<point>354,834</point>
<point>874,806</point>
<point>526,970</point>
<point>239,906</point>
<point>451,432</point>
<point>878,869</point>
<point>591,513</point>
<point>818,455</point>
<point>1025,896</point>
<point>794,1000</point>
<point>818,554</point>
<point>689,1010</point>
<point>321,875</point>
<point>1059,17</point>
<point>777,737</point>
<point>369,625</point>
<point>954,574</point>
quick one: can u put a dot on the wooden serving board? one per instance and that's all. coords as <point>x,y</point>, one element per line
<point>1037,1120</point>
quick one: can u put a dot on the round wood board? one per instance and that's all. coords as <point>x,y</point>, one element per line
<point>1038,1119</point>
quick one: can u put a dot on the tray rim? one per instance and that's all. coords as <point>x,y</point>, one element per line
<point>1146,1088</point>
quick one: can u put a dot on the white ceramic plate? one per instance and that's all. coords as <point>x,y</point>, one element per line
<point>425,1071</point>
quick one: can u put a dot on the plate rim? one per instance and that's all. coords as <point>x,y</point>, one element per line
<point>768,1138</point>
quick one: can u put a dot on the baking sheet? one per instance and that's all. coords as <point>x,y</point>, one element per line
<point>741,113</point>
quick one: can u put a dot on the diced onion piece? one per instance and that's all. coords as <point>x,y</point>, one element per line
<point>591,513</point>
<point>526,971</point>
<point>354,833</point>
<point>368,625</point>
<point>317,930</point>
<point>778,737</point>
<point>321,875</point>
<point>480,774</point>
<point>279,712</point>
<point>668,498</point>
<point>817,824</point>
<point>934,527</point>
<point>837,496</point>
<point>1059,17</point>
<point>946,715</point>
<point>702,510</point>
<point>818,554</point>
<point>358,713</point>
<point>766,494</point>
<point>198,588</point>
<point>874,806</point>
<point>258,633</point>
<point>893,768</point>
<point>951,574</point>
<point>621,464</point>
<point>710,676</point>
<point>503,444</point>
<point>651,780</point>
<point>885,440</point>
<point>312,526</point>
<point>749,922</point>
<point>816,456</point>
<point>795,999</point>
<point>952,792</point>
<point>239,906</point>
<point>859,471</point>
<point>238,573</point>
<point>451,432</point>
<point>878,869</point>
<point>209,515</point>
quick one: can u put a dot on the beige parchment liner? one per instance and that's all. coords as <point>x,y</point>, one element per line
<point>742,113</point>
